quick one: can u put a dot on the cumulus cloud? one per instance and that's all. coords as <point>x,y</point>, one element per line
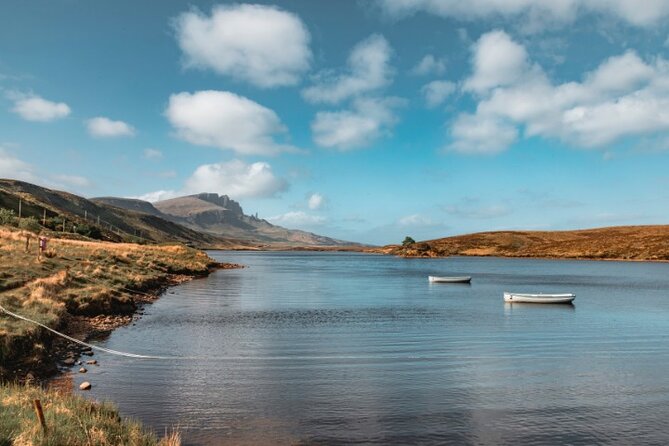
<point>497,60</point>
<point>536,13</point>
<point>227,121</point>
<point>153,154</point>
<point>35,108</point>
<point>368,70</point>
<point>436,92</point>
<point>475,134</point>
<point>368,120</point>
<point>624,96</point>
<point>316,201</point>
<point>159,195</point>
<point>263,45</point>
<point>236,179</point>
<point>297,218</point>
<point>429,64</point>
<point>101,127</point>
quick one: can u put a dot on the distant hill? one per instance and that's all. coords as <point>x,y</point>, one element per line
<point>219,215</point>
<point>619,243</point>
<point>105,221</point>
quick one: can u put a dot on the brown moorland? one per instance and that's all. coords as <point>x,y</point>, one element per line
<point>650,243</point>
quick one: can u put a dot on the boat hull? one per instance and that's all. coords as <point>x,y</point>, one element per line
<point>455,279</point>
<point>539,298</point>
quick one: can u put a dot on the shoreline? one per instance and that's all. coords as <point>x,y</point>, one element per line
<point>98,327</point>
<point>84,289</point>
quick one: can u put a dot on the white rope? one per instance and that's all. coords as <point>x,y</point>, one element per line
<point>77,341</point>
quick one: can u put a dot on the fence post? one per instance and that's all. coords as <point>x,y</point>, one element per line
<point>44,218</point>
<point>19,209</point>
<point>40,414</point>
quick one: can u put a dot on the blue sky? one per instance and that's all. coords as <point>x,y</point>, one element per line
<point>366,121</point>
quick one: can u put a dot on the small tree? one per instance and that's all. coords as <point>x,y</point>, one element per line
<point>7,217</point>
<point>31,224</point>
<point>408,241</point>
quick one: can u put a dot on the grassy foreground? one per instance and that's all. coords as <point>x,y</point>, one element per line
<point>76,278</point>
<point>75,281</point>
<point>70,420</point>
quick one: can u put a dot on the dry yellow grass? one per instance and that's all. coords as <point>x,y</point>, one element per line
<point>82,278</point>
<point>614,243</point>
<point>70,420</point>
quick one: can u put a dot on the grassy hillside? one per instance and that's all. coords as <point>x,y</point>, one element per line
<point>76,279</point>
<point>620,243</point>
<point>97,220</point>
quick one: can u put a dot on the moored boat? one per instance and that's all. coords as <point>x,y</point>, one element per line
<point>564,298</point>
<point>449,279</point>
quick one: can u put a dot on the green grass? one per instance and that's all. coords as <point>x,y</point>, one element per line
<point>70,420</point>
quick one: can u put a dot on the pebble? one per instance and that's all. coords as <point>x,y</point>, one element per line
<point>68,361</point>
<point>83,370</point>
<point>91,362</point>
<point>85,385</point>
<point>87,353</point>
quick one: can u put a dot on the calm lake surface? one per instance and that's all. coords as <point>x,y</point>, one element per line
<point>339,348</point>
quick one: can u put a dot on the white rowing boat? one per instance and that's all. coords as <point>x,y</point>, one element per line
<point>540,298</point>
<point>450,279</point>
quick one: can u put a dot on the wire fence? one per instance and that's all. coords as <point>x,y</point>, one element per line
<point>78,221</point>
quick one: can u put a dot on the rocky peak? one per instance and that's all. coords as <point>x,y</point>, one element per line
<point>223,201</point>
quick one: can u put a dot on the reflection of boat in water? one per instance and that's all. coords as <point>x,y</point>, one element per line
<point>449,279</point>
<point>565,298</point>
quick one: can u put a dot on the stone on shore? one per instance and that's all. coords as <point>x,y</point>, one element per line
<point>83,370</point>
<point>91,362</point>
<point>69,361</point>
<point>85,385</point>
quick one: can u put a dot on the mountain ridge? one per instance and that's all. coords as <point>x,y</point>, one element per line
<point>219,215</point>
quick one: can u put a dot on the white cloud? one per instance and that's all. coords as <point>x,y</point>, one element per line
<point>101,127</point>
<point>368,120</point>
<point>263,45</point>
<point>498,61</point>
<point>236,179</point>
<point>415,220</point>
<point>297,218</point>
<point>227,121</point>
<point>558,12</point>
<point>624,96</point>
<point>35,108</point>
<point>316,201</point>
<point>368,70</point>
<point>153,154</point>
<point>12,167</point>
<point>73,180</point>
<point>436,92</point>
<point>429,65</point>
<point>159,195</point>
<point>17,169</point>
<point>474,134</point>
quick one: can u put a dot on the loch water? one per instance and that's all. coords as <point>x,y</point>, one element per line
<point>348,348</point>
